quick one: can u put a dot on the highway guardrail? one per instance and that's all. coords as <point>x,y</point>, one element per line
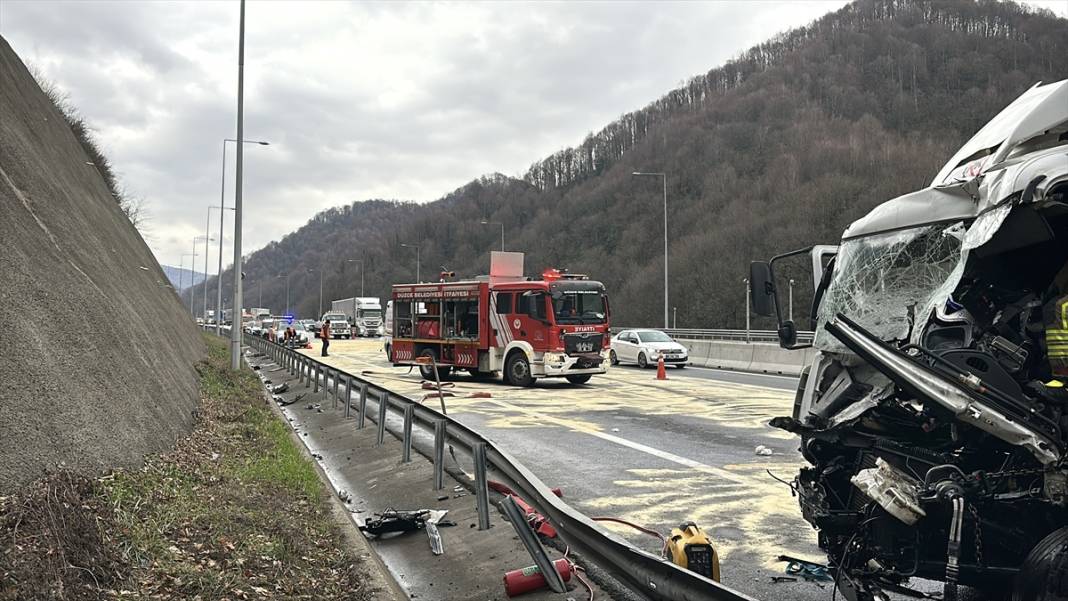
<point>650,576</point>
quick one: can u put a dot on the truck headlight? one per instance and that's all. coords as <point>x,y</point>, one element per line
<point>554,358</point>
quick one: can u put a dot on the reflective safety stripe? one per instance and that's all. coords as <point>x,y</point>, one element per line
<point>1057,338</point>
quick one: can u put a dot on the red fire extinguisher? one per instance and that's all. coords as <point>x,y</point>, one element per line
<point>530,578</point>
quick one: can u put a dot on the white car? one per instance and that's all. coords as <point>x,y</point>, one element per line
<point>644,348</point>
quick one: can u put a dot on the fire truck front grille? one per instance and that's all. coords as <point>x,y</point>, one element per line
<point>583,342</point>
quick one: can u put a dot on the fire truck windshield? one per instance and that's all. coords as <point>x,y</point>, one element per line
<point>579,302</point>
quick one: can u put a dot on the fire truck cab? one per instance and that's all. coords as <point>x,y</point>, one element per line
<point>525,329</point>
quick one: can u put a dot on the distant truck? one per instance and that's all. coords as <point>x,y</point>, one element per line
<point>339,324</point>
<point>363,312</point>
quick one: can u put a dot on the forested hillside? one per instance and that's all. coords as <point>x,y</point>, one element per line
<point>779,148</point>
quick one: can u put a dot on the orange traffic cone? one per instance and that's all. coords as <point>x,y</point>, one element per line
<point>661,373</point>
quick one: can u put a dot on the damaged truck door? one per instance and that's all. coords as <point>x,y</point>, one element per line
<point>934,414</point>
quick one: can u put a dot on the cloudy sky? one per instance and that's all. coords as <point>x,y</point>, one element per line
<point>362,100</point>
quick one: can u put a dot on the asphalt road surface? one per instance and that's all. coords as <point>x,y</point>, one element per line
<point>655,453</point>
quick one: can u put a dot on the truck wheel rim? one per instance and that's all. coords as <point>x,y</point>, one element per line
<point>519,370</point>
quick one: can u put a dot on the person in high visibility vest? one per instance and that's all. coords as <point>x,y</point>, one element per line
<point>1055,316</point>
<point>324,334</point>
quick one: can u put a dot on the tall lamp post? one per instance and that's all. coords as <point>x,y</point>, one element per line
<point>360,261</point>
<point>222,207</point>
<point>746,282</point>
<point>484,222</point>
<point>196,239</point>
<point>791,313</point>
<point>663,176</point>
<point>416,247</point>
<point>235,333</point>
<point>218,274</point>
<point>192,277</point>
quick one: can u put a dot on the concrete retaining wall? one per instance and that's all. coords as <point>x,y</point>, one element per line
<point>741,356</point>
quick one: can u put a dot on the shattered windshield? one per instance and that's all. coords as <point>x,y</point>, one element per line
<point>887,282</point>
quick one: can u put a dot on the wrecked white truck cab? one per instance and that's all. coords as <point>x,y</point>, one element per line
<point>934,414</point>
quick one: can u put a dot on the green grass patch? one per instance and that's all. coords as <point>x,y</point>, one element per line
<point>235,511</point>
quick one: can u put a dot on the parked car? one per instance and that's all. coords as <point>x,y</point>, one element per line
<point>644,348</point>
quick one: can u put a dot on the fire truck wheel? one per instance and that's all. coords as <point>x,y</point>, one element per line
<point>579,378</point>
<point>612,358</point>
<point>517,370</point>
<point>642,361</point>
<point>427,372</point>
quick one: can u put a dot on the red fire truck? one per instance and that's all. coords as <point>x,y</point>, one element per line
<point>526,329</point>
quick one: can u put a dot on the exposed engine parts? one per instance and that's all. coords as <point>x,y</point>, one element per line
<point>935,416</point>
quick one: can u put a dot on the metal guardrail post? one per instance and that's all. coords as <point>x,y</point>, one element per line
<point>337,384</point>
<point>439,454</point>
<point>481,488</point>
<point>406,449</point>
<point>348,396</point>
<point>316,370</point>
<point>300,369</point>
<point>363,405</point>
<point>383,407</point>
<point>533,545</point>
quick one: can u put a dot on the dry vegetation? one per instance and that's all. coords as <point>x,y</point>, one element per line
<point>234,512</point>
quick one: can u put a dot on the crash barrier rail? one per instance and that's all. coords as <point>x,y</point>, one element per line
<point>803,337</point>
<point>649,575</point>
<point>740,356</point>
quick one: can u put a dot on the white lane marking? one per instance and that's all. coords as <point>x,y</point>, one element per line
<point>637,446</point>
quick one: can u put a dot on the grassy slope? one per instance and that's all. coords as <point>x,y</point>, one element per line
<point>234,512</point>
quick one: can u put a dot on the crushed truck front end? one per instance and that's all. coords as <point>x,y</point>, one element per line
<point>934,414</point>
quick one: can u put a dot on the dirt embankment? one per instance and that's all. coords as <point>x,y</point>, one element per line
<point>96,355</point>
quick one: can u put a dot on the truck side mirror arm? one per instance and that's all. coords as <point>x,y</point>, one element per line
<point>765,298</point>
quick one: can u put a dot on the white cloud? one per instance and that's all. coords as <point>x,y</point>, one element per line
<point>362,100</point>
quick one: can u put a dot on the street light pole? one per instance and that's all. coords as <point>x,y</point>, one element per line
<point>235,333</point>
<point>418,279</point>
<point>484,222</point>
<point>746,282</point>
<point>663,176</point>
<point>222,218</point>
<point>196,239</point>
<point>218,274</point>
<point>791,313</point>
<point>207,230</point>
<point>360,261</point>
<point>192,268</point>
